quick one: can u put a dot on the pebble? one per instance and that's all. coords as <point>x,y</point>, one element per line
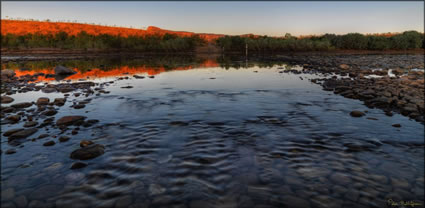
<point>396,125</point>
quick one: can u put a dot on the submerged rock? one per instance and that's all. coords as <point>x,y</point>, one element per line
<point>7,109</point>
<point>10,151</point>
<point>43,136</point>
<point>30,124</point>
<point>14,118</point>
<point>6,99</point>
<point>49,143</point>
<point>78,165</point>
<point>63,138</point>
<point>48,90</point>
<point>89,152</point>
<point>50,112</point>
<point>23,133</point>
<point>43,101</point>
<point>59,101</point>
<point>69,120</point>
<point>396,125</point>
<point>22,105</point>
<point>12,131</point>
<point>357,114</point>
<point>79,106</point>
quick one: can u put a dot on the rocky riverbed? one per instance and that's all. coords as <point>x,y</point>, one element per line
<point>268,132</point>
<point>393,83</point>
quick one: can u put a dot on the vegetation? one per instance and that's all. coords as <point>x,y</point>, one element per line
<point>83,40</point>
<point>44,34</point>
<point>353,41</point>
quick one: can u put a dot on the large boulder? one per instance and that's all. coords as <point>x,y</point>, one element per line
<point>88,152</point>
<point>61,70</point>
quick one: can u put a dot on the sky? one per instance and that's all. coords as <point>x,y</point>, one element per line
<point>233,18</point>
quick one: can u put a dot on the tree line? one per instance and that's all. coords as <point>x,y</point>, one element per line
<point>83,40</point>
<point>173,43</point>
<point>352,41</point>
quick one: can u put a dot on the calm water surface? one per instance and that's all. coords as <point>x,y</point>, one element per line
<point>203,133</point>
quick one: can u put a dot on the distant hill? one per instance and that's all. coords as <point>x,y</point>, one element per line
<point>21,27</point>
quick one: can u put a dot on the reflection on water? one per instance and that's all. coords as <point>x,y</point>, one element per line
<point>101,68</point>
<point>226,133</point>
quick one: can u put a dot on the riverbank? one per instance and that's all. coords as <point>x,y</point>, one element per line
<point>209,49</point>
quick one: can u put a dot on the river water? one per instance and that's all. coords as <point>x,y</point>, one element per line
<point>208,133</point>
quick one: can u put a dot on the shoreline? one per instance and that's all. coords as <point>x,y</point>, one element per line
<point>398,88</point>
<point>49,51</point>
<point>58,54</point>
